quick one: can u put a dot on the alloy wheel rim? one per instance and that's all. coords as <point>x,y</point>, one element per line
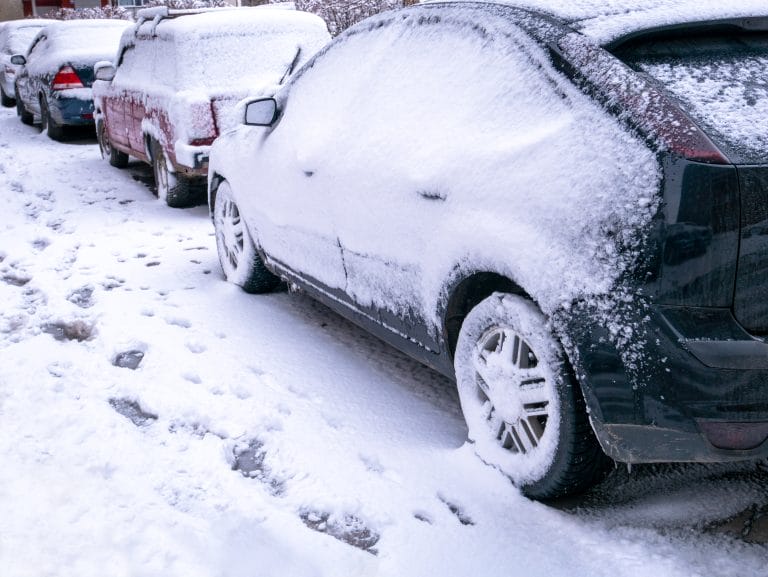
<point>161,176</point>
<point>513,390</point>
<point>231,232</point>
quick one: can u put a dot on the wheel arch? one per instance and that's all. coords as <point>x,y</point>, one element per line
<point>466,293</point>
<point>214,181</point>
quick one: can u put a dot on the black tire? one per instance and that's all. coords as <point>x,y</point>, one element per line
<point>6,100</point>
<point>24,115</point>
<point>116,158</point>
<point>174,188</point>
<point>47,124</point>
<point>238,256</point>
<point>523,407</point>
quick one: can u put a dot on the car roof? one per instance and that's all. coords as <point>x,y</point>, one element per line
<point>224,21</point>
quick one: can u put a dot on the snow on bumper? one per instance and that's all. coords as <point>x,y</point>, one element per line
<point>193,158</point>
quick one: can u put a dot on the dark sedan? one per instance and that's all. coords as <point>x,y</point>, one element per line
<point>55,81</point>
<point>555,208</point>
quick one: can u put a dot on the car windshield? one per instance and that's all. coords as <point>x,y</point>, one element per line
<point>720,79</point>
<point>20,39</point>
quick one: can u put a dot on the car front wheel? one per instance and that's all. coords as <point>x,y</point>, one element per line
<point>523,408</point>
<point>239,259</point>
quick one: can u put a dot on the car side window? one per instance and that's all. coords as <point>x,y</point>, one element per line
<point>125,65</point>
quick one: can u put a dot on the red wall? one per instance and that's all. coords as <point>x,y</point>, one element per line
<point>44,5</point>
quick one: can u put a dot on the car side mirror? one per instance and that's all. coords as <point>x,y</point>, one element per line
<point>104,70</point>
<point>261,112</point>
<point>18,60</point>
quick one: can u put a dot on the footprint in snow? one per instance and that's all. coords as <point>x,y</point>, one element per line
<point>129,359</point>
<point>248,458</point>
<point>346,528</point>
<point>132,411</point>
<point>82,297</point>
<point>178,322</point>
<point>457,510</point>
<point>77,330</point>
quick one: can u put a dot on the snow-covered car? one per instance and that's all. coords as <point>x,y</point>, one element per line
<point>15,38</point>
<point>55,80</point>
<point>492,189</point>
<point>178,78</point>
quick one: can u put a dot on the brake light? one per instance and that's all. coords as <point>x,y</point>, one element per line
<point>202,128</point>
<point>65,78</point>
<point>640,102</point>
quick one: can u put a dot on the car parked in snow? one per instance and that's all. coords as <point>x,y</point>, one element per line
<point>15,38</point>
<point>54,83</point>
<point>178,78</point>
<point>546,208</point>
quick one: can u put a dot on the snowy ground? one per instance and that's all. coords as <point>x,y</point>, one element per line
<point>263,435</point>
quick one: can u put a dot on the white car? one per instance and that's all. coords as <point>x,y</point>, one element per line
<point>548,209</point>
<point>15,38</point>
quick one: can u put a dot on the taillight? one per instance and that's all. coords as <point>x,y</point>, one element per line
<point>65,78</point>
<point>640,102</point>
<point>201,123</point>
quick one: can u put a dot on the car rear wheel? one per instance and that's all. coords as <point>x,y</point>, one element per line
<point>116,158</point>
<point>6,100</point>
<point>173,188</point>
<point>47,124</point>
<point>524,410</point>
<point>238,256</point>
<point>25,116</point>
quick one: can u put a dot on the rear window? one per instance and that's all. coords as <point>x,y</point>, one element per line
<point>721,80</point>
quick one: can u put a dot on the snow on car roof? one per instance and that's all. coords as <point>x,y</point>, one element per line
<point>608,20</point>
<point>233,21</point>
<point>78,42</point>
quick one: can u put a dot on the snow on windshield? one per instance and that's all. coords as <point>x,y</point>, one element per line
<point>20,39</point>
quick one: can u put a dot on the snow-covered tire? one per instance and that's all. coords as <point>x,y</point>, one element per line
<point>116,158</point>
<point>525,413</point>
<point>48,124</point>
<point>24,115</point>
<point>238,256</point>
<point>173,188</point>
<point>6,100</point>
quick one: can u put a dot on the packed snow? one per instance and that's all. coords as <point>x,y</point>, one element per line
<point>155,420</point>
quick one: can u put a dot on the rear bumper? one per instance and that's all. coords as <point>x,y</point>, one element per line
<point>191,160</point>
<point>699,392</point>
<point>71,111</point>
